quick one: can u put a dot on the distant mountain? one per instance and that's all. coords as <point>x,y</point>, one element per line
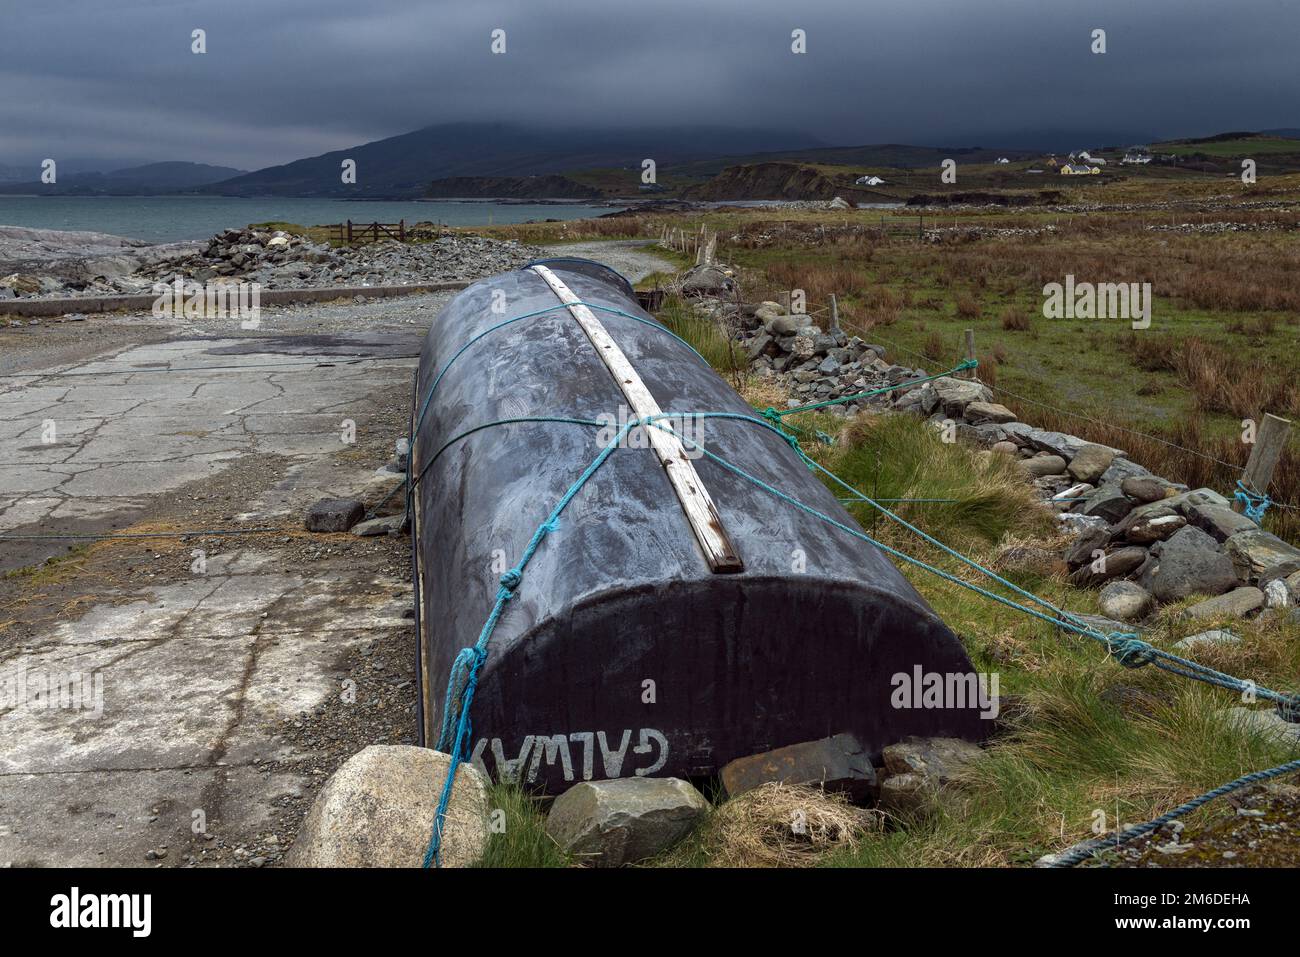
<point>147,180</point>
<point>1286,132</point>
<point>402,166</point>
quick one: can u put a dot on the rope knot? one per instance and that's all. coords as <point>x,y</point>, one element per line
<point>1253,504</point>
<point>1289,710</point>
<point>1129,650</point>
<point>511,579</point>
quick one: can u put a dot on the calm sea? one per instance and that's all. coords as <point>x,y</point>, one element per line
<point>161,219</point>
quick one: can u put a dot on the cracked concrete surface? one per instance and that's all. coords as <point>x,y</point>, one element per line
<point>195,691</point>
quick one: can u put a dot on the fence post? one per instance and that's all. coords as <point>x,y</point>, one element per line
<point>401,229</point>
<point>835,315</point>
<point>1270,443</point>
<point>349,232</point>
<point>970,352</point>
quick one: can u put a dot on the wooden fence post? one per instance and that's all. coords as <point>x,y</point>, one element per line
<point>835,315</point>
<point>1270,443</point>
<point>970,353</point>
<point>349,232</point>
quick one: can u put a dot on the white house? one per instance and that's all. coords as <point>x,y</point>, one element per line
<point>868,181</point>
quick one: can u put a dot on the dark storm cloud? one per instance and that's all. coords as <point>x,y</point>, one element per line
<point>284,79</point>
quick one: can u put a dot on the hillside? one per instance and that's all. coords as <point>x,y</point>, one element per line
<point>510,187</point>
<point>757,181</point>
<point>402,166</point>
<point>149,179</point>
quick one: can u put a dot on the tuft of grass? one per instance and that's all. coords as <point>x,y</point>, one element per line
<point>1016,320</point>
<point>522,841</point>
<point>710,339</point>
<point>901,457</point>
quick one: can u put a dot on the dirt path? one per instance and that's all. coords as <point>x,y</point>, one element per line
<point>634,258</point>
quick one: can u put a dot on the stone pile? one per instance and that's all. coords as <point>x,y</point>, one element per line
<point>278,260</point>
<point>1142,539</point>
<point>817,364</point>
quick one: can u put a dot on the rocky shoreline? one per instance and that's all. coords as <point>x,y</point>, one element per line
<point>48,264</point>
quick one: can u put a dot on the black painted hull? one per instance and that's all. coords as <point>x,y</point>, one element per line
<point>621,652</point>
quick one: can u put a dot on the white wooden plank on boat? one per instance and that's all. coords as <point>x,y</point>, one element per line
<point>691,493</point>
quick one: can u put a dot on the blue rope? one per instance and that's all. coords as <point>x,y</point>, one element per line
<point>470,660</point>
<point>1253,504</point>
<point>1092,848</point>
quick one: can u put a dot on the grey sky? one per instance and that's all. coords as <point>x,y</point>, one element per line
<point>283,79</point>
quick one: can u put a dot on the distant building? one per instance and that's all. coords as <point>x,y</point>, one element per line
<point>868,181</point>
<point>1136,156</point>
<point>1002,161</point>
<point>1079,169</point>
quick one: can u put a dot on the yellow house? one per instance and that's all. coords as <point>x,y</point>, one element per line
<point>1079,169</point>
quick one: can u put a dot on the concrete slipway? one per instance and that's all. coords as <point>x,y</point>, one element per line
<point>233,671</point>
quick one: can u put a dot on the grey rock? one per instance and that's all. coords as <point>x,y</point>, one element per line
<point>1089,541</point>
<point>1217,636</point>
<point>1121,468</point>
<point>781,325</point>
<point>1116,564</point>
<point>1154,529</point>
<point>377,810</point>
<point>1266,724</point>
<point>758,345</point>
<point>1074,522</point>
<point>333,515</point>
<point>837,763</point>
<point>1254,551</point>
<point>1276,594</point>
<point>1219,520</point>
<point>1104,625</point>
<point>954,395</point>
<point>383,525</point>
<point>1143,488</point>
<point>1108,502</point>
<point>1060,443</point>
<point>1090,463</point>
<point>1237,603</point>
<point>1041,465</point>
<point>979,413</point>
<point>621,821</point>
<point>918,768</point>
<point>1125,601</point>
<point>1189,562</point>
<point>986,433</point>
